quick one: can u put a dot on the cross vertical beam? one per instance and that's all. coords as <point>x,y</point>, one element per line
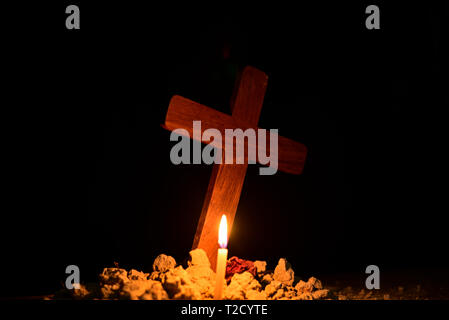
<point>226,181</point>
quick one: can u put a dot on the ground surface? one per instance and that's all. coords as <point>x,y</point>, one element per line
<point>395,285</point>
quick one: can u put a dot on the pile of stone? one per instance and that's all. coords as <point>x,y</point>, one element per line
<point>171,281</point>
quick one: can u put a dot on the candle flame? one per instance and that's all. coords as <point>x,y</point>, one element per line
<point>223,232</point>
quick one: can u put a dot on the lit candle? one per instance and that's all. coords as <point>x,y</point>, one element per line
<point>221,258</point>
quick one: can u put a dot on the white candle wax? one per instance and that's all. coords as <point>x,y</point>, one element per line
<point>222,258</point>
<point>221,273</point>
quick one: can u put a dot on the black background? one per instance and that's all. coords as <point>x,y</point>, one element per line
<point>87,175</point>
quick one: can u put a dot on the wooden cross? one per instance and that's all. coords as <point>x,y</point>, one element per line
<point>226,181</point>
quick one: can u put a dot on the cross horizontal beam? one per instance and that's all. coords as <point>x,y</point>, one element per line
<point>182,112</point>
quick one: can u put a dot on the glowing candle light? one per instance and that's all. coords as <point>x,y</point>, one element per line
<point>221,258</point>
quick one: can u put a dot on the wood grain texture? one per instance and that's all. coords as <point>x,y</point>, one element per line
<point>222,197</point>
<point>248,95</point>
